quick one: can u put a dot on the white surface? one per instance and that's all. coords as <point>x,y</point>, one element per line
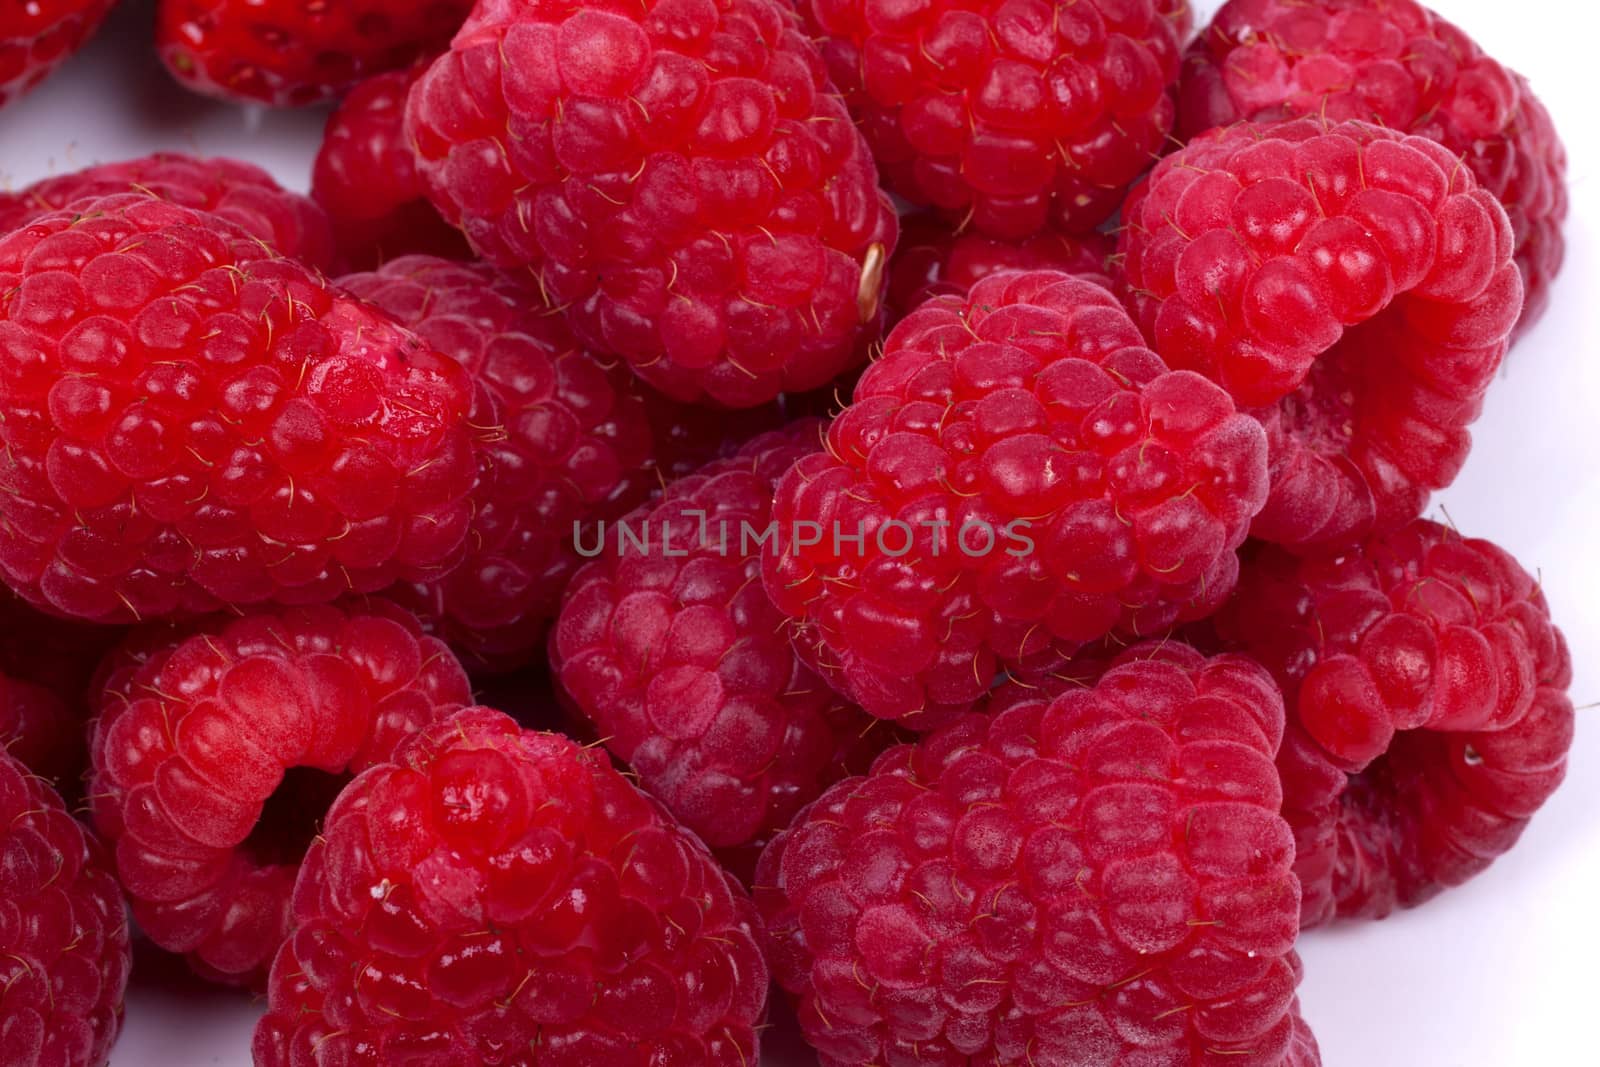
<point>1497,974</point>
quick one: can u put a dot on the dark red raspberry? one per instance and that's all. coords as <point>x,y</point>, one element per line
<point>64,954</point>
<point>38,36</point>
<point>567,430</point>
<point>188,421</point>
<point>1429,719</point>
<point>289,53</point>
<point>500,896</point>
<point>218,751</point>
<point>669,645</point>
<point>1099,878</point>
<point>1010,114</point>
<point>242,193</point>
<point>365,176</point>
<point>1084,489</point>
<point>679,176</point>
<point>1352,283</point>
<point>1402,66</point>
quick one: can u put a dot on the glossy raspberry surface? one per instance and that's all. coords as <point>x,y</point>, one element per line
<point>1010,115</point>
<point>189,421</point>
<point>1400,65</point>
<point>64,955</point>
<point>289,53</point>
<point>567,428</point>
<point>1084,488</point>
<point>679,176</point>
<point>1095,877</point>
<point>240,192</point>
<point>1429,719</point>
<point>500,896</point>
<point>38,36</point>
<point>217,751</point>
<point>1354,284</point>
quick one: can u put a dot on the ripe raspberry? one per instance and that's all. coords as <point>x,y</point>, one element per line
<point>680,178</point>
<point>217,753</point>
<point>1354,284</point>
<point>187,421</point>
<point>1013,115</point>
<point>1402,66</point>
<point>500,896</point>
<point>64,954</point>
<point>934,260</point>
<point>365,176</point>
<point>39,36</point>
<point>242,193</point>
<point>1098,878</point>
<point>1428,711</point>
<point>669,645</point>
<point>1083,489</point>
<point>287,53</point>
<point>569,429</point>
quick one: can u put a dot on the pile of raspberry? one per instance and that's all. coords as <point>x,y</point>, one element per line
<point>593,558</point>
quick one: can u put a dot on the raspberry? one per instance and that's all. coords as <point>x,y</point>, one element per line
<point>1429,718</point>
<point>365,176</point>
<point>500,896</point>
<point>1014,115</point>
<point>1352,283</point>
<point>934,260</point>
<point>187,422</point>
<point>242,193</point>
<point>569,429</point>
<point>670,646</point>
<point>1083,489</point>
<point>37,37</point>
<point>288,53</point>
<point>680,178</point>
<point>1101,877</point>
<point>216,753</point>
<point>1402,66</point>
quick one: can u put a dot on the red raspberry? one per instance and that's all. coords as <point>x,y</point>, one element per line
<point>670,646</point>
<point>37,37</point>
<point>1083,488</point>
<point>680,178</point>
<point>1098,878</point>
<point>217,753</point>
<point>1429,718</point>
<point>568,430</point>
<point>64,953</point>
<point>289,53</point>
<point>242,193</point>
<point>500,896</point>
<point>187,421</point>
<point>1014,115</point>
<point>934,260</point>
<point>365,176</point>
<point>1354,284</point>
<point>1401,65</point>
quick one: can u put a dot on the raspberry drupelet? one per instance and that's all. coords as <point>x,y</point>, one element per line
<point>1353,285</point>
<point>64,950</point>
<point>497,896</point>
<point>1428,711</point>
<point>567,430</point>
<point>1010,115</point>
<point>1015,476</point>
<point>218,749</point>
<point>37,37</point>
<point>1400,65</point>
<point>669,645</point>
<point>679,176</point>
<point>188,421</point>
<point>1095,877</point>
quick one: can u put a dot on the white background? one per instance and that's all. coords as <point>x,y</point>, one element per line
<point>1497,974</point>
